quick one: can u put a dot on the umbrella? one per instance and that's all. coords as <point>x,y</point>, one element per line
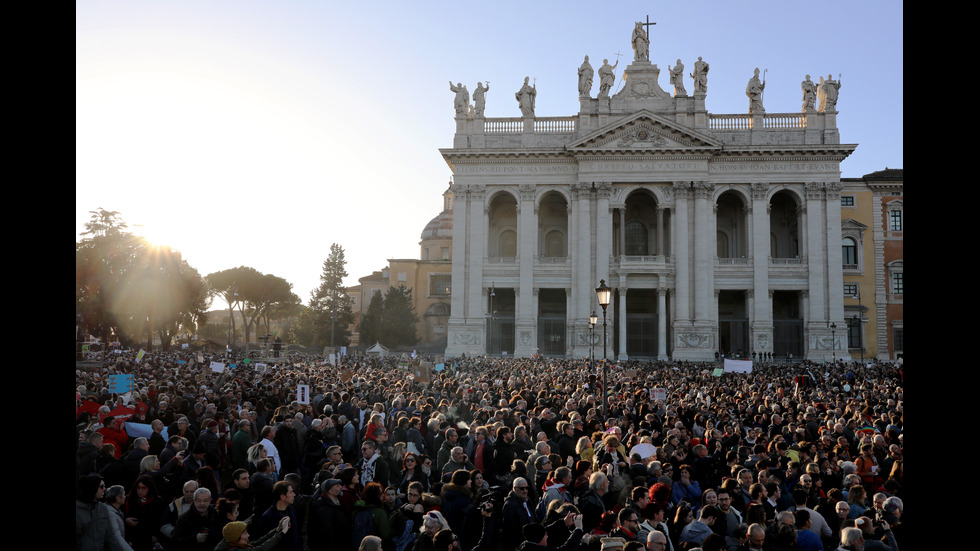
<point>644,450</point>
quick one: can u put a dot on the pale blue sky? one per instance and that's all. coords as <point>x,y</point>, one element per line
<point>259,133</point>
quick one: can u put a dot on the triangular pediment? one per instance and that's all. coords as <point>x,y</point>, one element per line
<point>852,224</point>
<point>644,132</point>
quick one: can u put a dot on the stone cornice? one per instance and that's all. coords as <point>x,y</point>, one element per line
<point>788,152</point>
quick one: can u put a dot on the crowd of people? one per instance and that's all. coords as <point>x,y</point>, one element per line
<point>487,454</point>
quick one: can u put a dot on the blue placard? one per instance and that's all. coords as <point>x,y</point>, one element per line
<point>121,384</point>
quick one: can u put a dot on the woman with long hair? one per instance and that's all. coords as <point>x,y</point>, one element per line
<point>857,501</point>
<point>143,512</point>
<point>683,516</point>
<point>411,472</point>
<point>351,489</point>
<point>256,453</point>
<point>227,511</point>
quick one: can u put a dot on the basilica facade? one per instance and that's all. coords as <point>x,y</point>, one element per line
<point>717,233</point>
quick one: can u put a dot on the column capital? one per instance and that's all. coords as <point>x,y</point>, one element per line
<point>604,189</point>
<point>526,191</point>
<point>703,189</point>
<point>759,190</point>
<point>682,189</point>
<point>814,190</point>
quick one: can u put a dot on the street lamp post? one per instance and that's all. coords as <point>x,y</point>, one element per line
<point>593,319</point>
<point>603,294</point>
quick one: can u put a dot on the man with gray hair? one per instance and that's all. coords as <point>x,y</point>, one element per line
<point>591,503</point>
<point>457,461</point>
<point>446,448</point>
<point>541,447</point>
<point>115,498</point>
<point>198,528</point>
<point>656,541</point>
<point>851,539</point>
<point>756,537</point>
<point>516,513</point>
<point>877,539</point>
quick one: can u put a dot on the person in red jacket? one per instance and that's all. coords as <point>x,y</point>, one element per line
<point>113,432</point>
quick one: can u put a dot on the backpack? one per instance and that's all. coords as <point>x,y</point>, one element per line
<point>406,537</point>
<point>363,526</point>
<point>541,510</point>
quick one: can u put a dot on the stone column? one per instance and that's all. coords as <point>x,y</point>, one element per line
<point>622,230</point>
<point>527,233</point>
<point>582,284</point>
<point>704,252</point>
<point>662,323</point>
<point>660,231</point>
<point>682,302</point>
<point>461,334</point>
<point>479,233</point>
<point>817,318</point>
<point>603,233</point>
<point>621,309</point>
<point>761,313</point>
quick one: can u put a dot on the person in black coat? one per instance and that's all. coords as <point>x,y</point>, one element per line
<point>329,523</point>
<point>504,455</point>
<point>516,513</point>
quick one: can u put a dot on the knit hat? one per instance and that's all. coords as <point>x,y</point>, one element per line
<point>613,543</point>
<point>233,531</point>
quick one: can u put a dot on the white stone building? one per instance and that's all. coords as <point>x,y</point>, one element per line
<point>717,233</point>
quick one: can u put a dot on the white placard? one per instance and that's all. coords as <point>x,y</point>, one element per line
<point>738,366</point>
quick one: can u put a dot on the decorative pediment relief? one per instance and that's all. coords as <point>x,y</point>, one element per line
<point>643,132</point>
<point>851,224</point>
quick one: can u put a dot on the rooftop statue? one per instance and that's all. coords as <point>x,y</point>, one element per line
<point>462,99</point>
<point>525,98</point>
<point>700,76</point>
<point>677,78</point>
<point>585,73</point>
<point>809,94</point>
<point>641,43</point>
<point>480,98</point>
<point>827,94</point>
<point>606,78</point>
<point>754,91</point>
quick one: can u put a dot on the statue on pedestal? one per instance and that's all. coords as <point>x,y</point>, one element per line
<point>606,78</point>
<point>754,91</point>
<point>677,78</point>
<point>828,94</point>
<point>641,43</point>
<point>480,99</point>
<point>462,100</point>
<point>525,98</point>
<point>809,94</point>
<point>700,76</point>
<point>585,73</point>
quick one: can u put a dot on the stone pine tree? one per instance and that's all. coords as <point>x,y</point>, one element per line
<point>399,318</point>
<point>330,304</point>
